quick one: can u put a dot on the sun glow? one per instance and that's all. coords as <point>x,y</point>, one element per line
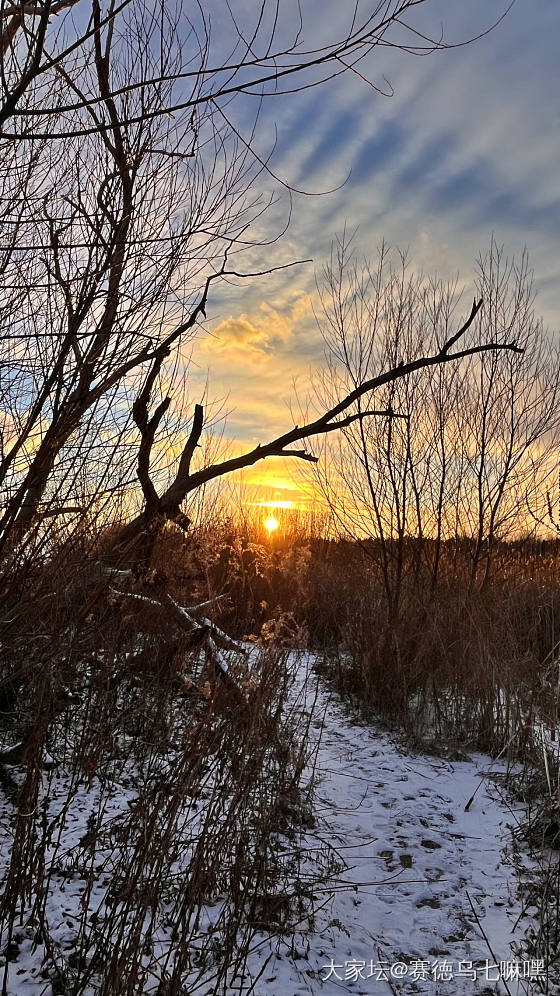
<point>271,524</point>
<point>275,504</point>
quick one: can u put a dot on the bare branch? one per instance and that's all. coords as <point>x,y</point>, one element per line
<point>477,305</point>
<point>325,423</point>
<point>192,442</point>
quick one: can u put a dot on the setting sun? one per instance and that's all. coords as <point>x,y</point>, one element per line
<point>271,524</point>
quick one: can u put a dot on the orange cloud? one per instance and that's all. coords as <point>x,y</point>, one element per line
<point>240,333</point>
<point>260,334</point>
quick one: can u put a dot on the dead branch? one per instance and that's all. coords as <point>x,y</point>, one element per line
<point>186,482</point>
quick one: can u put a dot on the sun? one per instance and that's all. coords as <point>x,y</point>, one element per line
<point>271,524</point>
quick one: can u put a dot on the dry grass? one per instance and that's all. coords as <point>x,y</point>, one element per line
<point>425,646</point>
<point>117,715</point>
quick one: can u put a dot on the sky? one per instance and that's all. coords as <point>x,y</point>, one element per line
<point>466,148</point>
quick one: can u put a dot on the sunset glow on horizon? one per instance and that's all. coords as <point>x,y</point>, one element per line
<point>282,503</point>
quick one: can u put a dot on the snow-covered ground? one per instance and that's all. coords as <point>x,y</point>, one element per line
<point>426,902</point>
<point>420,898</point>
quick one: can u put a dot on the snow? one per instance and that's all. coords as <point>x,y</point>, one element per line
<point>413,858</point>
<point>403,874</point>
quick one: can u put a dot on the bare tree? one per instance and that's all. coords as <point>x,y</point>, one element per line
<point>511,421</point>
<point>114,240</point>
<point>472,439</point>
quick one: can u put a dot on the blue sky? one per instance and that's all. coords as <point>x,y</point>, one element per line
<point>468,146</point>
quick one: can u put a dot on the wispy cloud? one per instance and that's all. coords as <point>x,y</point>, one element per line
<point>468,146</point>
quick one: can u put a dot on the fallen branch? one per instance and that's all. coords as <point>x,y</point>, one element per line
<point>201,631</point>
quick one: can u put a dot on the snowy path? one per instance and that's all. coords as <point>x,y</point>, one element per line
<point>415,857</point>
<point>395,916</point>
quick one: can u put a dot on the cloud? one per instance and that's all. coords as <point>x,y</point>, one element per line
<point>254,336</point>
<point>468,145</point>
<point>239,333</point>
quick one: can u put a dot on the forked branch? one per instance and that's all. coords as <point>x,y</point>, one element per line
<point>185,481</point>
